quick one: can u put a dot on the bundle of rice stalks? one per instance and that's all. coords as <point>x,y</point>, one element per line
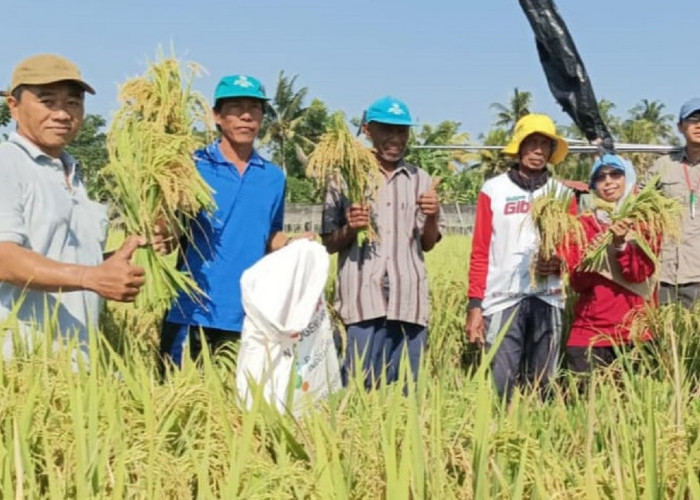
<point>342,160</point>
<point>649,212</point>
<point>556,227</point>
<point>151,172</point>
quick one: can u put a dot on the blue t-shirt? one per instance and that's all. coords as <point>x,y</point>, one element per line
<point>250,207</point>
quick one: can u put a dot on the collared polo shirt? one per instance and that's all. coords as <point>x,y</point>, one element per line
<point>40,212</point>
<point>250,208</point>
<point>680,261</point>
<point>394,263</point>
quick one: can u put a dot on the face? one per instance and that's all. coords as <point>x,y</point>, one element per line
<point>389,141</point>
<point>50,115</point>
<point>239,119</point>
<point>690,128</point>
<point>609,183</point>
<point>535,151</point>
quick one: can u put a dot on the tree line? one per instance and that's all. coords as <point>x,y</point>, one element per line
<point>292,126</point>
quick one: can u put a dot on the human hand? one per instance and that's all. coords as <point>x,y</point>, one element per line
<point>620,229</point>
<point>357,216</point>
<point>474,327</point>
<point>545,267</point>
<point>429,202</point>
<point>164,239</point>
<point>117,278</point>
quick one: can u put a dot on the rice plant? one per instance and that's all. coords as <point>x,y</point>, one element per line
<point>342,161</point>
<point>151,174</point>
<point>652,216</point>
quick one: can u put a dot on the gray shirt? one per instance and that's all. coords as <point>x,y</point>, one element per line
<point>680,261</point>
<point>40,212</point>
<point>386,278</point>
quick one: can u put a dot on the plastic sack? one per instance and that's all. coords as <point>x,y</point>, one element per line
<point>286,331</point>
<point>566,75</point>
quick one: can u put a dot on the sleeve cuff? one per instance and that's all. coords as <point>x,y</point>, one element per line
<point>474,303</point>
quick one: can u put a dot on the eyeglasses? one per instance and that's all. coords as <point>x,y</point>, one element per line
<point>613,174</point>
<point>694,119</point>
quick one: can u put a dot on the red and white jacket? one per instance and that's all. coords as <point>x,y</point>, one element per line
<point>504,243</point>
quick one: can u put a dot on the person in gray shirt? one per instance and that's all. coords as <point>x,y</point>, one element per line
<point>679,177</point>
<point>51,234</point>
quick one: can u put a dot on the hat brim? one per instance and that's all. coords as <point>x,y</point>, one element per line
<point>80,83</point>
<point>557,156</point>
<point>241,96</point>
<point>389,121</point>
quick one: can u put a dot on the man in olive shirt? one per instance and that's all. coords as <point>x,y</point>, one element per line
<point>680,178</point>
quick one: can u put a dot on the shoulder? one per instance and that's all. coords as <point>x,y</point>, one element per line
<point>10,151</point>
<point>496,184</point>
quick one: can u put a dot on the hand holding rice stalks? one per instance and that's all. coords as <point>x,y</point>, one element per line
<point>649,212</point>
<point>556,226</point>
<point>151,172</point>
<point>342,160</point>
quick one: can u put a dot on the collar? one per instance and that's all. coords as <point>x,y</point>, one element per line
<point>682,156</point>
<point>528,183</point>
<point>214,152</point>
<point>404,168</point>
<point>38,156</point>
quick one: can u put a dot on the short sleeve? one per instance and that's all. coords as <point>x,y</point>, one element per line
<point>12,221</point>
<point>335,204</point>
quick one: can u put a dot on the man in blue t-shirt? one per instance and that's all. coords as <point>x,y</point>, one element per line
<point>247,223</point>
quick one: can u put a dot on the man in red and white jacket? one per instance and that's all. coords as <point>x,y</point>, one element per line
<point>504,244</point>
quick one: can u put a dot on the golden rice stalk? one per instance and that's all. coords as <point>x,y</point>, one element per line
<point>151,172</point>
<point>651,214</point>
<point>342,160</point>
<point>556,227</point>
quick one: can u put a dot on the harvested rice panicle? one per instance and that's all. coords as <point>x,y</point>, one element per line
<point>151,172</point>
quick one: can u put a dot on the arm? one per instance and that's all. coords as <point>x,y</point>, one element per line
<point>635,264</point>
<point>116,278</point>
<point>341,221</point>
<point>478,268</point>
<point>429,206</point>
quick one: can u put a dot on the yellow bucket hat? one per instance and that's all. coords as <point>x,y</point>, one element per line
<point>537,124</point>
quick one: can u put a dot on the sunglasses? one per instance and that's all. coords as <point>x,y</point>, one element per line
<point>613,174</point>
<point>692,119</point>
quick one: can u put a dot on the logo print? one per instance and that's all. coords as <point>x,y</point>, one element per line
<point>395,109</point>
<point>242,81</point>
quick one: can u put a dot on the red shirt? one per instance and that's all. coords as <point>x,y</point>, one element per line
<point>604,309</point>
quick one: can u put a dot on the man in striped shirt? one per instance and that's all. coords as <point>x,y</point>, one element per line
<point>382,290</point>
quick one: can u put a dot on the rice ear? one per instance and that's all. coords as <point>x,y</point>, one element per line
<point>151,172</point>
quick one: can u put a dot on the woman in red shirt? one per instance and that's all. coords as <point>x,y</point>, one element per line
<point>607,298</point>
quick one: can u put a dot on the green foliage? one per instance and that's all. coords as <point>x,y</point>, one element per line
<point>116,431</point>
<point>5,117</point>
<point>492,161</point>
<point>302,190</point>
<point>459,184</point>
<point>283,123</point>
<point>90,149</point>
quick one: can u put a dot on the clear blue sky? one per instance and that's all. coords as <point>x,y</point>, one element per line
<point>446,59</point>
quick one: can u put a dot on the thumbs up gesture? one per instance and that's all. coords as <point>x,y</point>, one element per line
<point>428,202</point>
<point>117,278</point>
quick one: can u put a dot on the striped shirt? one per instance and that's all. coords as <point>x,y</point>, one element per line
<point>385,278</point>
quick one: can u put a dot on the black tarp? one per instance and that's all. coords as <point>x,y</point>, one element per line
<point>566,74</point>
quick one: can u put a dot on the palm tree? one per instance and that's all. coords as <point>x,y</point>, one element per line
<point>660,122</point>
<point>280,128</point>
<point>508,115</point>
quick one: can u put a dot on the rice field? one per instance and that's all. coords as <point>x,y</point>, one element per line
<point>118,430</point>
